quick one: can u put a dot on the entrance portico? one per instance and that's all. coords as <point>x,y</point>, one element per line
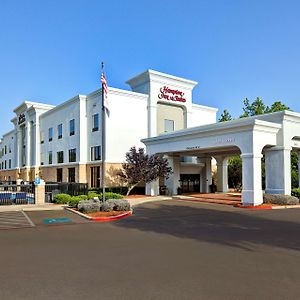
<point>273,134</point>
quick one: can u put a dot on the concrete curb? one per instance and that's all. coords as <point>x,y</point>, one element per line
<point>267,206</point>
<point>100,219</point>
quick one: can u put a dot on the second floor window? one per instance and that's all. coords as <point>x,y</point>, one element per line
<point>60,157</point>
<point>72,127</point>
<point>50,134</point>
<point>50,158</point>
<point>42,137</point>
<point>72,155</point>
<point>59,131</point>
<point>95,120</point>
<point>96,153</point>
<point>169,125</point>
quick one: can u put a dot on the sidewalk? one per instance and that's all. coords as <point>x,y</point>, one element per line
<point>31,207</point>
<point>136,200</point>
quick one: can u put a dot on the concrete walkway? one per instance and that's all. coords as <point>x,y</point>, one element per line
<point>31,207</point>
<point>144,199</point>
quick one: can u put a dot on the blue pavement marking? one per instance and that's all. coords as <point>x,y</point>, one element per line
<point>57,220</point>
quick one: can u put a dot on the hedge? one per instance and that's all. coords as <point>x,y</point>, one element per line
<point>296,192</point>
<point>62,198</point>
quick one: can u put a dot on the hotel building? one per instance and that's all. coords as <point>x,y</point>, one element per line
<point>63,143</point>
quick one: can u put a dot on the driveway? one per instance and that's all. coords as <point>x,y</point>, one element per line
<point>167,250</point>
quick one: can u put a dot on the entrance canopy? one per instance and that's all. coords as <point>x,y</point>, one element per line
<point>273,134</point>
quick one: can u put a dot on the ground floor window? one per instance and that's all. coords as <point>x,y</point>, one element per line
<point>71,174</point>
<point>95,176</point>
<point>59,175</point>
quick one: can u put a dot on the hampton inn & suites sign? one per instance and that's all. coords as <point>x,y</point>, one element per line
<point>170,94</point>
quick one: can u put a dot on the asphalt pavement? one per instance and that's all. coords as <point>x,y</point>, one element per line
<point>166,250</point>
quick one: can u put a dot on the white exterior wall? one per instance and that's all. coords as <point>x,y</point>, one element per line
<point>202,115</point>
<point>8,141</point>
<point>133,116</point>
<point>61,115</point>
<point>127,122</point>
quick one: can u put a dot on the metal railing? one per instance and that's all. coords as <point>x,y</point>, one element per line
<point>70,188</point>
<point>17,194</point>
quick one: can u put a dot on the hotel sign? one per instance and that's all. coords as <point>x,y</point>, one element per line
<point>21,119</point>
<point>170,94</point>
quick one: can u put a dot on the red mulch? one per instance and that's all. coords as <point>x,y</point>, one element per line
<point>137,196</point>
<point>105,214</point>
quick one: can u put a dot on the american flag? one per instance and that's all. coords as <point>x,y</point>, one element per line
<point>104,89</point>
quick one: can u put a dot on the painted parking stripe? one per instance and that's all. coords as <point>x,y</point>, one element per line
<point>16,219</point>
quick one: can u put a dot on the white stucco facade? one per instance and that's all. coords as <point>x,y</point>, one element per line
<point>42,144</point>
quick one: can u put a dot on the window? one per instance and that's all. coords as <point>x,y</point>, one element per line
<point>95,176</point>
<point>71,174</point>
<point>59,131</point>
<point>72,155</point>
<point>42,137</point>
<point>169,125</point>
<point>95,120</point>
<point>96,153</point>
<point>9,148</point>
<point>72,127</point>
<point>5,166</point>
<point>42,159</point>
<point>9,164</point>
<point>50,134</point>
<point>5,149</point>
<point>60,157</point>
<point>50,158</point>
<point>59,175</point>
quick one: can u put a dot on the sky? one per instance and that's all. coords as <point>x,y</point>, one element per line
<point>51,51</point>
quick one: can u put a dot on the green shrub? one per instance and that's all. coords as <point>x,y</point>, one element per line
<point>296,192</point>
<point>62,198</point>
<point>117,189</point>
<point>110,195</point>
<point>92,195</point>
<point>280,199</point>
<point>75,200</point>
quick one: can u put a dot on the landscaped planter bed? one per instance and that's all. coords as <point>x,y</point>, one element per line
<point>102,216</point>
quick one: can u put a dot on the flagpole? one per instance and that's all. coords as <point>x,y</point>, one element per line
<point>103,147</point>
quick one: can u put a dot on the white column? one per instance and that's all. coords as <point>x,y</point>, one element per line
<point>37,149</point>
<point>222,174</point>
<point>206,178</point>
<point>172,182</point>
<point>19,148</point>
<point>152,188</point>
<point>152,120</point>
<point>28,144</point>
<point>252,190</point>
<point>278,170</point>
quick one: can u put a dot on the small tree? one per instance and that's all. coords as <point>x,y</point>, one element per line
<point>141,167</point>
<point>225,116</point>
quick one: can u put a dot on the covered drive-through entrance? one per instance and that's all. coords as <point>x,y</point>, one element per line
<point>273,135</point>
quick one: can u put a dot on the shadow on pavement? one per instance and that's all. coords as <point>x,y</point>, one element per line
<point>219,226</point>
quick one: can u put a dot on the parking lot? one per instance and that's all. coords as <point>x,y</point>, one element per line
<point>166,250</point>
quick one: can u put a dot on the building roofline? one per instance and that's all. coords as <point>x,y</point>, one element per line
<point>199,106</point>
<point>60,106</point>
<point>27,104</point>
<point>118,91</point>
<point>144,76</point>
